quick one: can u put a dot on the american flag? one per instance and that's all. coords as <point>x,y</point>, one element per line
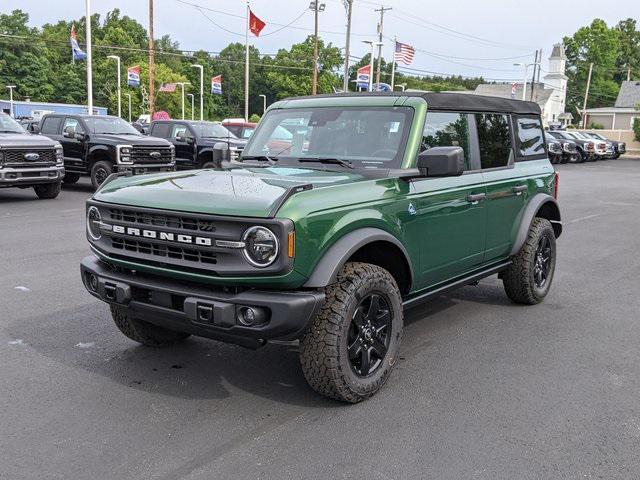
<point>404,53</point>
<point>168,87</point>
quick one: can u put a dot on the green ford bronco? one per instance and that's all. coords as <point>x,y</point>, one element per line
<point>342,211</point>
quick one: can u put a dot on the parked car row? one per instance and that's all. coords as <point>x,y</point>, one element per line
<point>578,146</point>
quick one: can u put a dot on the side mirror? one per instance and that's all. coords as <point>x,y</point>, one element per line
<point>80,136</point>
<point>69,132</point>
<point>441,162</point>
<point>35,129</point>
<point>180,136</point>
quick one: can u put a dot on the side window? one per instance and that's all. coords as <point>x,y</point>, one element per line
<point>161,130</point>
<point>494,139</point>
<point>51,125</point>
<point>72,122</point>
<point>447,129</point>
<point>179,129</point>
<point>529,136</point>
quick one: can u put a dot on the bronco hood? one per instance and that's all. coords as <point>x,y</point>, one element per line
<point>245,192</point>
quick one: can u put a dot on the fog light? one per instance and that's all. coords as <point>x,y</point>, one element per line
<point>251,316</point>
<point>93,282</point>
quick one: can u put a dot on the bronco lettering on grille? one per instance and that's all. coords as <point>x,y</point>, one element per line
<point>168,236</point>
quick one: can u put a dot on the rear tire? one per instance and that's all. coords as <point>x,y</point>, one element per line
<point>352,345</point>
<point>529,277</point>
<point>70,178</point>
<point>99,172</point>
<point>144,332</point>
<point>47,191</point>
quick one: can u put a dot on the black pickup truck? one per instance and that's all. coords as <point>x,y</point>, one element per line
<point>29,160</point>
<point>198,144</point>
<point>98,145</point>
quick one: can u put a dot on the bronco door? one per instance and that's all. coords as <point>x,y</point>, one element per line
<point>449,213</point>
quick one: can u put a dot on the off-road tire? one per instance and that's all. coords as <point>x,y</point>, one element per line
<point>70,178</point>
<point>518,279</point>
<point>144,332</point>
<point>208,164</point>
<point>48,190</point>
<point>323,348</point>
<point>98,171</point>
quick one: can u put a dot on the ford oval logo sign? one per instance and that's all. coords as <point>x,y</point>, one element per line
<point>155,154</point>
<point>31,157</point>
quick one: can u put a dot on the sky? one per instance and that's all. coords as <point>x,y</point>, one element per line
<point>465,37</point>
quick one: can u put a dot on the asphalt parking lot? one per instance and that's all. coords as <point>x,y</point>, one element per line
<point>485,389</point>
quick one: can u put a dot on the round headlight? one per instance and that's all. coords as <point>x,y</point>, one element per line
<point>93,223</point>
<point>260,246</point>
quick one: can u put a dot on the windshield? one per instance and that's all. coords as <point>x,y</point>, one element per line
<point>211,130</point>
<point>9,125</point>
<point>110,125</point>
<point>371,136</point>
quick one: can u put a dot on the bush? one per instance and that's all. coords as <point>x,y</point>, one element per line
<point>595,126</point>
<point>255,118</point>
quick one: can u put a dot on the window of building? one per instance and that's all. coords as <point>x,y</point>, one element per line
<point>447,129</point>
<point>494,139</point>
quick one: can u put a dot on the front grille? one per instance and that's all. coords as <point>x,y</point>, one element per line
<point>164,250</point>
<point>161,220</point>
<point>15,156</point>
<point>143,155</point>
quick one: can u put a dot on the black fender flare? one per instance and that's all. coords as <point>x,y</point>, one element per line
<point>537,203</point>
<point>327,269</point>
<point>99,149</point>
<point>217,156</point>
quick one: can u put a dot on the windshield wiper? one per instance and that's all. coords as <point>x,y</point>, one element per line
<point>331,160</point>
<point>263,158</point>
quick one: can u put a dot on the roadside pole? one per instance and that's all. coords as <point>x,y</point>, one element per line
<point>117,59</point>
<point>152,65</point>
<point>345,81</point>
<point>129,96</point>
<point>246,67</point>
<point>382,9</point>
<point>586,96</point>
<point>393,64</point>
<point>89,58</point>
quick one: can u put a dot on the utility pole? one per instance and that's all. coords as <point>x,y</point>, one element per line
<point>152,65</point>
<point>89,58</point>
<point>246,65</point>
<point>382,9</point>
<point>586,96</point>
<point>533,76</point>
<point>317,7</point>
<point>128,95</point>
<point>117,59</point>
<point>345,82</point>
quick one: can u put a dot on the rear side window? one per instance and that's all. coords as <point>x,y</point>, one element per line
<point>494,139</point>
<point>447,129</point>
<point>51,125</point>
<point>529,136</point>
<point>160,130</point>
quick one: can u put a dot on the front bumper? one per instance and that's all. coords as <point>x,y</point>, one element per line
<point>201,310</point>
<point>141,169</point>
<point>17,176</point>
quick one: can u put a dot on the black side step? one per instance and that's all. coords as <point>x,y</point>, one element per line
<point>456,283</point>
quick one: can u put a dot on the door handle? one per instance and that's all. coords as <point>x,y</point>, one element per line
<point>476,197</point>
<point>518,189</point>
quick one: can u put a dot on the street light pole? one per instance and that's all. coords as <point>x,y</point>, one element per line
<point>11,87</point>
<point>371,61</point>
<point>117,59</point>
<point>182,84</point>
<point>89,58</point>
<point>129,96</point>
<point>201,89</point>
<point>264,103</point>
<point>316,6</point>
<point>345,81</point>
<point>192,103</point>
<point>526,68</point>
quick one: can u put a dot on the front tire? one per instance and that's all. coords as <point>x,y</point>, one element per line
<point>48,190</point>
<point>144,332</point>
<point>529,277</point>
<point>99,172</point>
<point>352,345</point>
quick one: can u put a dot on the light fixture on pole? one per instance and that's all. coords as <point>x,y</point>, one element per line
<point>371,60</point>
<point>182,84</point>
<point>117,59</point>
<point>11,87</point>
<point>129,96</point>
<point>192,104</point>
<point>201,89</point>
<point>526,68</point>
<point>264,103</point>
<point>316,6</point>
<point>402,86</point>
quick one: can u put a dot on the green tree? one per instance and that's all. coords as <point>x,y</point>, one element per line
<point>629,51</point>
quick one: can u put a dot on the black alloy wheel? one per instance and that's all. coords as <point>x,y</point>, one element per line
<point>542,262</point>
<point>369,334</point>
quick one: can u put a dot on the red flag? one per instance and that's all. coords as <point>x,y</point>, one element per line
<point>255,24</point>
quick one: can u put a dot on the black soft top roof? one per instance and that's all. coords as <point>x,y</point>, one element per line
<point>461,102</point>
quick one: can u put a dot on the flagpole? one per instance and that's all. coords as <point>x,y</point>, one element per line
<point>246,67</point>
<point>89,58</point>
<point>393,64</point>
